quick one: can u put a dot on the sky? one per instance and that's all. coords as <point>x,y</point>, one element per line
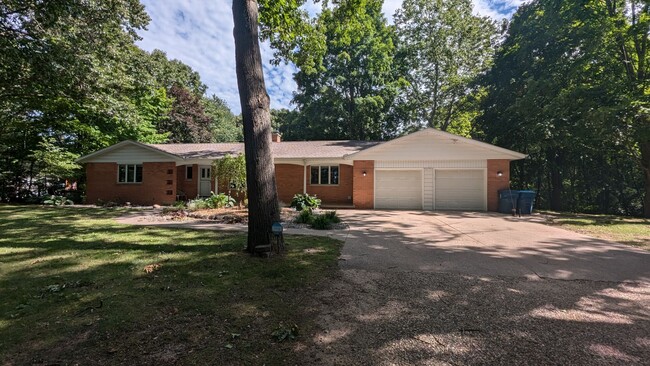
<point>199,33</point>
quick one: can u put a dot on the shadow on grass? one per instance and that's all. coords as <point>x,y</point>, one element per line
<point>79,288</point>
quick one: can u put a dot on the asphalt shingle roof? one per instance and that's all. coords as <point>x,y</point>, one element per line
<point>284,149</point>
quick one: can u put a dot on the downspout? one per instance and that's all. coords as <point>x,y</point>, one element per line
<point>304,176</point>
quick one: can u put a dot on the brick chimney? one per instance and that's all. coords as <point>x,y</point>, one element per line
<point>276,136</point>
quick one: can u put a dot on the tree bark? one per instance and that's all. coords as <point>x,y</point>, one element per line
<point>645,166</point>
<point>263,208</point>
<point>555,162</point>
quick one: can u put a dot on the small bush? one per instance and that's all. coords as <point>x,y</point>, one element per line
<point>305,201</point>
<point>305,217</point>
<point>179,204</point>
<point>321,222</point>
<point>57,201</point>
<point>197,204</point>
<point>331,215</point>
<point>220,200</point>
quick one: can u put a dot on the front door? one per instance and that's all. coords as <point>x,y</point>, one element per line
<point>205,181</point>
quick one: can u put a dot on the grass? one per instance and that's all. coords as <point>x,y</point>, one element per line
<point>77,287</point>
<point>626,230</point>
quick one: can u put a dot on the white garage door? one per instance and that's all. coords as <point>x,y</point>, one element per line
<point>398,189</point>
<point>460,190</point>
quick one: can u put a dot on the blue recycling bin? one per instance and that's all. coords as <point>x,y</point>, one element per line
<point>508,200</point>
<point>525,202</point>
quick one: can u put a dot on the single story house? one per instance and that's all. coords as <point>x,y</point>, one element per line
<point>425,170</point>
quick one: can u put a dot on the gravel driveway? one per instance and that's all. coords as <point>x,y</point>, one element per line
<point>422,288</point>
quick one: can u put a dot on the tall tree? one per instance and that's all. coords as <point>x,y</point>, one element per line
<point>225,126</point>
<point>557,93</point>
<point>444,47</point>
<point>346,80</point>
<point>262,194</point>
<point>187,121</point>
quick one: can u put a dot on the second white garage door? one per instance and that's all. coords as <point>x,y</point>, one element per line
<point>460,190</point>
<point>398,189</point>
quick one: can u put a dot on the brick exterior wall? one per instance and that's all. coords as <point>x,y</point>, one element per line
<point>288,179</point>
<point>495,183</point>
<point>158,184</point>
<point>364,187</point>
<point>334,194</point>
<point>188,186</point>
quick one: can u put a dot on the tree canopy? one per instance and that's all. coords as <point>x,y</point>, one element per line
<point>73,81</point>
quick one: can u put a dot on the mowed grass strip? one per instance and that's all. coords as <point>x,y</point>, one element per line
<point>77,287</point>
<point>626,230</point>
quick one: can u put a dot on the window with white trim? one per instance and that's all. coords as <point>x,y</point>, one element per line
<point>129,173</point>
<point>325,175</point>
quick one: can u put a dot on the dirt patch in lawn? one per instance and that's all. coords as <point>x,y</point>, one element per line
<point>235,215</point>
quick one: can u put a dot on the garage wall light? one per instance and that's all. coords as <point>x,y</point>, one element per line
<point>364,173</point>
<point>499,174</point>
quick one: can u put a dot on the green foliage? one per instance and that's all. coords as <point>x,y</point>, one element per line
<point>332,216</point>
<point>220,200</point>
<point>305,216</point>
<point>559,92</point>
<point>226,127</point>
<point>304,201</point>
<point>347,84</point>
<point>285,333</point>
<point>231,169</point>
<point>443,48</point>
<point>321,222</point>
<point>57,201</point>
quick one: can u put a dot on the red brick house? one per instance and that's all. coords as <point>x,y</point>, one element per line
<point>426,170</point>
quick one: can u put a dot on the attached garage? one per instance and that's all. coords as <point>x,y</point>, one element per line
<point>459,190</point>
<point>398,189</point>
<point>431,170</point>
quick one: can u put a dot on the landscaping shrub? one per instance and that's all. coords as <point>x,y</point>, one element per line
<point>220,200</point>
<point>57,201</point>
<point>331,215</point>
<point>214,201</point>
<point>197,204</point>
<point>321,222</point>
<point>305,217</point>
<point>305,201</point>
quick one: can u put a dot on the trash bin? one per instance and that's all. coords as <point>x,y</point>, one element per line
<point>508,200</point>
<point>525,202</point>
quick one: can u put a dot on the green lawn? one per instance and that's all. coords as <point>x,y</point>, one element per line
<point>74,289</point>
<point>626,230</point>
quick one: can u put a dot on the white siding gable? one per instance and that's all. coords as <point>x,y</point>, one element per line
<point>130,154</point>
<point>434,145</point>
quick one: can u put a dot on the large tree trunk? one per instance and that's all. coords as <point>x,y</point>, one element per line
<point>555,164</point>
<point>263,207</point>
<point>645,165</point>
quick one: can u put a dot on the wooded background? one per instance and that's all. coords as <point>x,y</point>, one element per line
<point>562,81</point>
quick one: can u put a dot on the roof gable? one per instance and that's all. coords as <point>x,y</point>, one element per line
<point>128,151</point>
<point>432,144</point>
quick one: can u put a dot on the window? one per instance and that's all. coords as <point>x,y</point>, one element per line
<point>129,173</point>
<point>325,175</point>
<point>189,172</point>
<point>205,173</point>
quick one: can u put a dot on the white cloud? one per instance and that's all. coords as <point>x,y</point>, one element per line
<point>199,33</point>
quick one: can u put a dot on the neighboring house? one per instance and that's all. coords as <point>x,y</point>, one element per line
<point>426,170</point>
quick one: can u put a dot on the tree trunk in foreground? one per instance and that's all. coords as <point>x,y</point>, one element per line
<point>263,207</point>
<point>645,166</point>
